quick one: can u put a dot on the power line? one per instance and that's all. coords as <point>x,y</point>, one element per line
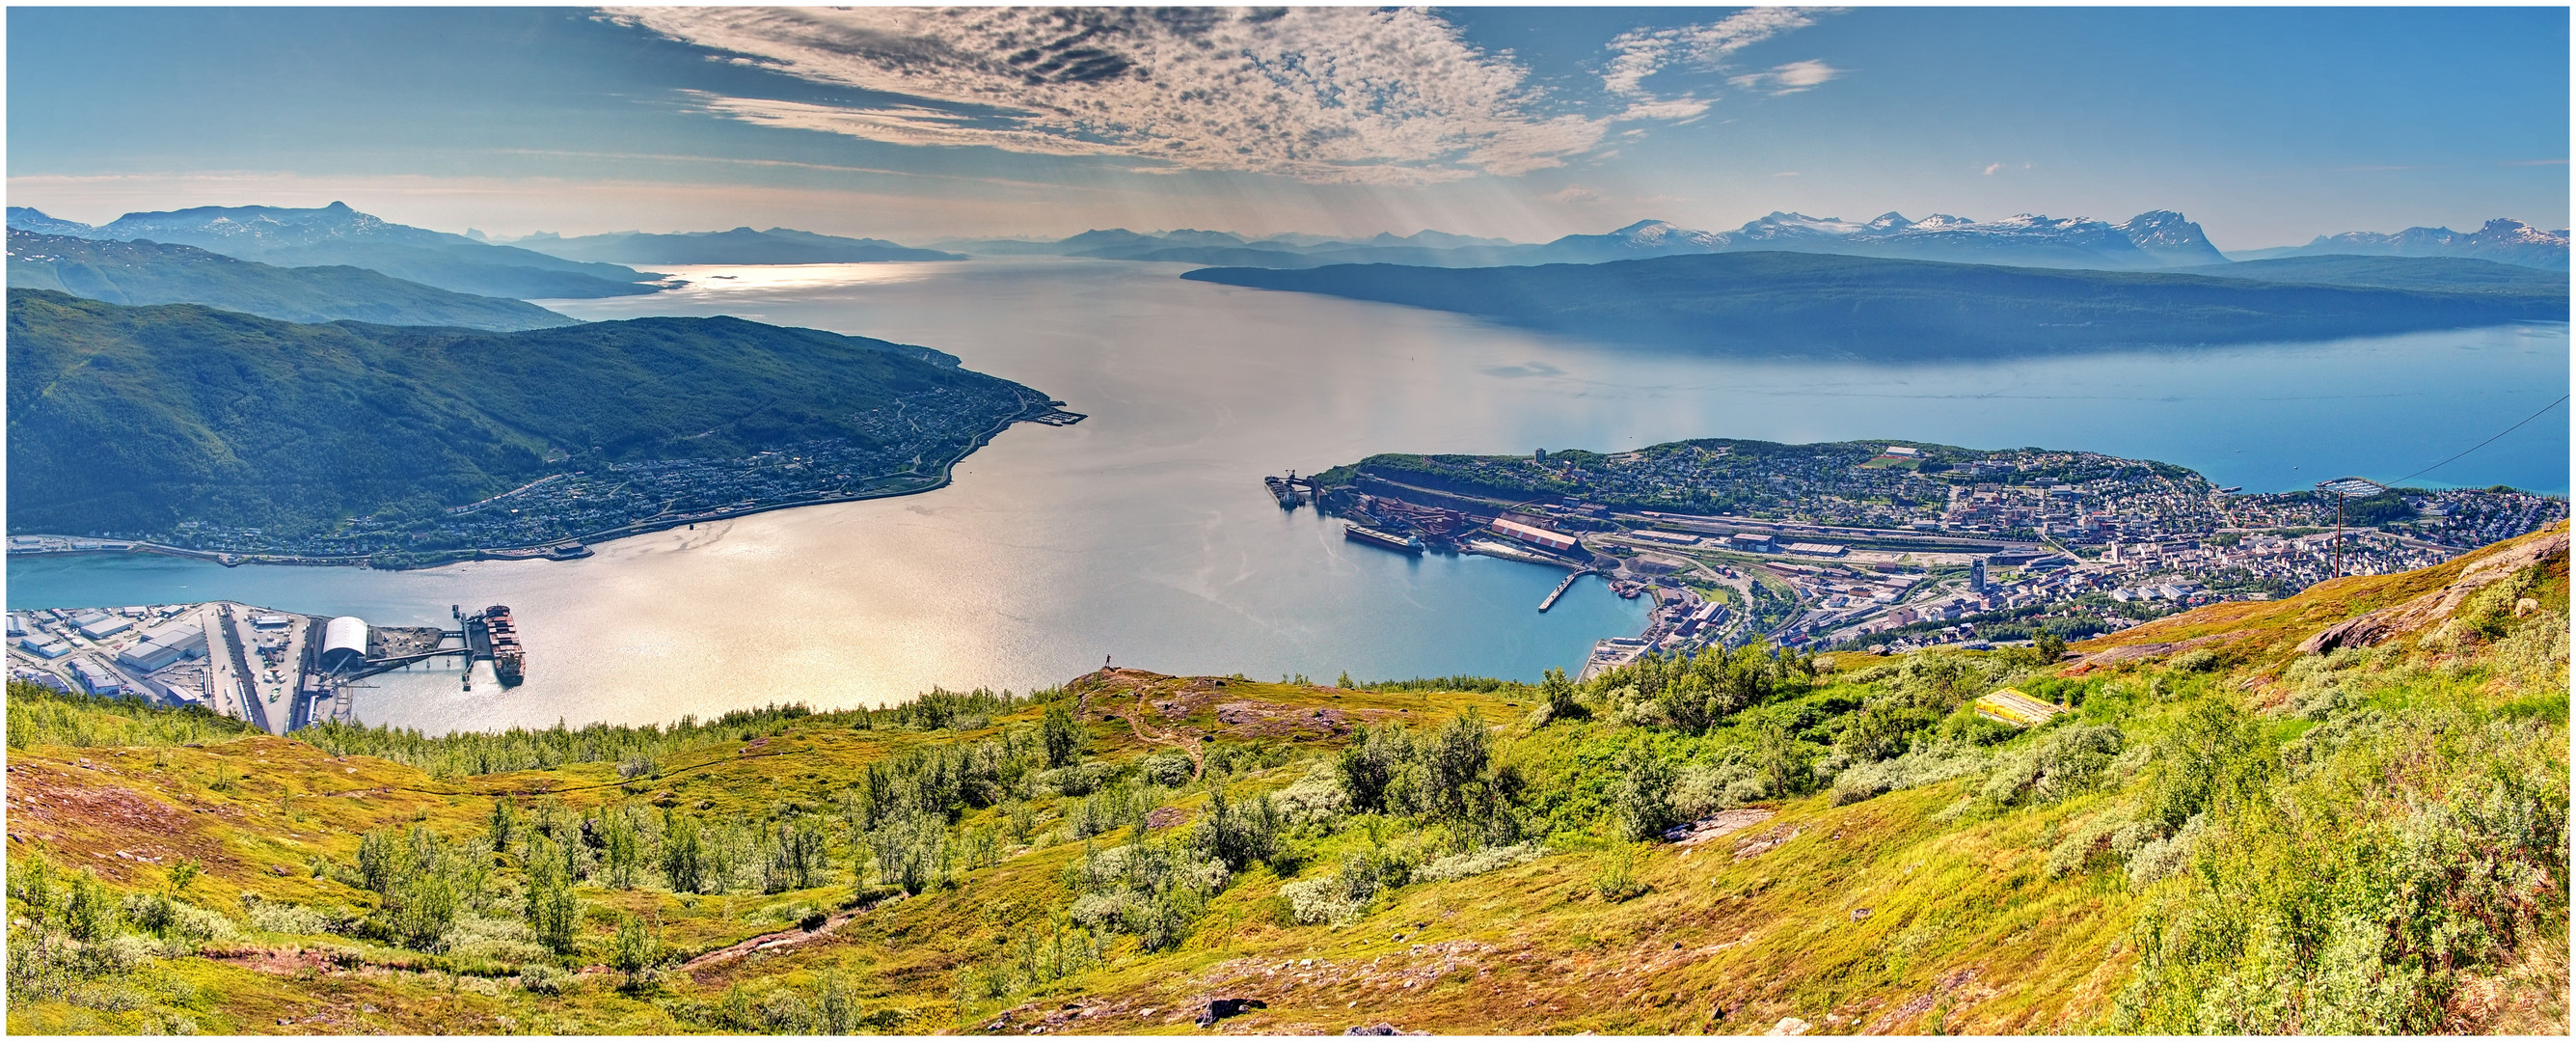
<point>2473,448</point>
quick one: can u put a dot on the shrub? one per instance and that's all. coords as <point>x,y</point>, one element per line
<point>1062,736</point>
<point>1317,797</point>
<point>538,978</point>
<point>1168,769</point>
<point>1616,879</point>
<point>1476,863</point>
<point>1643,803</point>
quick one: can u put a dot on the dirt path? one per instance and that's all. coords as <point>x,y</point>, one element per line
<point>1135,722</point>
<point>768,941</point>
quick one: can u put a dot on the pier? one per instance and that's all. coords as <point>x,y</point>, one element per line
<point>1568,584</point>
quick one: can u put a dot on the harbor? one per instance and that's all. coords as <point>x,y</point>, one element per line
<point>277,670</point>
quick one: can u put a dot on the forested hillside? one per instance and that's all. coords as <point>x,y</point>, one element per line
<point>140,420</point>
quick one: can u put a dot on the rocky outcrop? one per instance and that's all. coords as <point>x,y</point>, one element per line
<point>2371,628</point>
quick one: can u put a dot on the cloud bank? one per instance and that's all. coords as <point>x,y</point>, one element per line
<point>1319,94</point>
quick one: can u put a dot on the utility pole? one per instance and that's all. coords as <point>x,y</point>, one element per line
<point>2343,487</point>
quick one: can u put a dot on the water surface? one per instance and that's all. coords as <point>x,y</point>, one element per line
<point>1144,532</point>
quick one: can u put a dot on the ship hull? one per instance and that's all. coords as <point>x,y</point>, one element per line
<point>1381,540</point>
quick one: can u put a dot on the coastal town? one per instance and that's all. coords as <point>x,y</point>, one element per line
<point>1896,546</point>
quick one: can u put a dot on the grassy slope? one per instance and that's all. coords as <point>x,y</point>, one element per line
<point>131,419</point>
<point>1792,303</point>
<point>1918,910</point>
<point>137,273</point>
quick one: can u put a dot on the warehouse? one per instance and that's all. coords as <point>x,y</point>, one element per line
<point>344,644</point>
<point>1533,535</point>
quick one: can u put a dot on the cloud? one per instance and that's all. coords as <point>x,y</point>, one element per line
<point>1787,79</point>
<point>1321,94</point>
<point>1992,167</point>
<point>1642,53</point>
<point>1572,193</point>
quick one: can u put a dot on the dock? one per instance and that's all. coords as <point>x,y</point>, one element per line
<point>1568,584</point>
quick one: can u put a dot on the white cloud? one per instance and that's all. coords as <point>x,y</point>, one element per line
<point>1572,193</point>
<point>1322,94</point>
<point>1787,79</point>
<point>1644,52</point>
<point>1992,167</point>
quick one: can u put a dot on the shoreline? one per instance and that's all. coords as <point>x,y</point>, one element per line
<point>572,548</point>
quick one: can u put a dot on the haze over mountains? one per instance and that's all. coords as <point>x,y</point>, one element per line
<point>1779,303</point>
<point>2502,239</point>
<point>147,272</point>
<point>2155,240</point>
<point>336,234</point>
<point>739,246</point>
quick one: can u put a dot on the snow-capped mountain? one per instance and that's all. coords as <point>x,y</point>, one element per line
<point>2503,239</point>
<point>2155,239</point>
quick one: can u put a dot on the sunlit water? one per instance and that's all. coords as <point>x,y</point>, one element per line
<point>1145,533</point>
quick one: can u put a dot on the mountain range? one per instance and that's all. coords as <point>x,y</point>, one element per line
<point>146,272</point>
<point>338,235</point>
<point>739,246</point>
<point>2503,239</point>
<point>1888,310</point>
<point>2156,239</point>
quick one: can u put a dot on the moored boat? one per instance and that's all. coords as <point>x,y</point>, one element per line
<point>1403,544</point>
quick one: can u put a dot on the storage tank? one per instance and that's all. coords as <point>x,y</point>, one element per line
<point>344,644</point>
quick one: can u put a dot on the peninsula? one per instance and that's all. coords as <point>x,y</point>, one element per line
<point>1891,545</point>
<point>186,429</point>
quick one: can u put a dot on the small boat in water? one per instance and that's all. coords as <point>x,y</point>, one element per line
<point>1385,540</point>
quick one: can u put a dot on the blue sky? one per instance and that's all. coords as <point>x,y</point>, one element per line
<point>2268,126</point>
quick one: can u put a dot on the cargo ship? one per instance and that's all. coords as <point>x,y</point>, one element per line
<point>1403,544</point>
<point>1286,493</point>
<point>499,641</point>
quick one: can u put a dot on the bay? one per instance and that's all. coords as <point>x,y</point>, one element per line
<point>1144,533</point>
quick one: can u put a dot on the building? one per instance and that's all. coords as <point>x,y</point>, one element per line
<point>1753,542</point>
<point>44,647</point>
<point>1534,535</point>
<point>1977,574</point>
<point>97,679</point>
<point>1675,538</point>
<point>1903,451</point>
<point>1815,549</point>
<point>161,647</point>
<point>101,626</point>
<point>17,626</point>
<point>344,644</point>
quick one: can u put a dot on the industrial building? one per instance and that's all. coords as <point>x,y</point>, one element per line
<point>97,679</point>
<point>44,647</point>
<point>344,644</point>
<point>162,647</point>
<point>100,626</point>
<point>1749,541</point>
<point>1533,535</point>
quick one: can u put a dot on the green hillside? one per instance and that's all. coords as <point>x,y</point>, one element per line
<point>2442,274</point>
<point>138,420</point>
<point>2219,833</point>
<point>1764,303</point>
<point>145,272</point>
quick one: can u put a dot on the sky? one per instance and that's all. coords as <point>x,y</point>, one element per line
<point>2267,126</point>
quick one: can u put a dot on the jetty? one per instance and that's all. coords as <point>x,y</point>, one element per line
<point>1568,584</point>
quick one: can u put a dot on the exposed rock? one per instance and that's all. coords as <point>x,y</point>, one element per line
<point>1715,825</point>
<point>1219,1009</point>
<point>1380,1028</point>
<point>1789,1026</point>
<point>2370,628</point>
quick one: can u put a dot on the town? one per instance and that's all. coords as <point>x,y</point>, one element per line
<point>1897,546</point>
